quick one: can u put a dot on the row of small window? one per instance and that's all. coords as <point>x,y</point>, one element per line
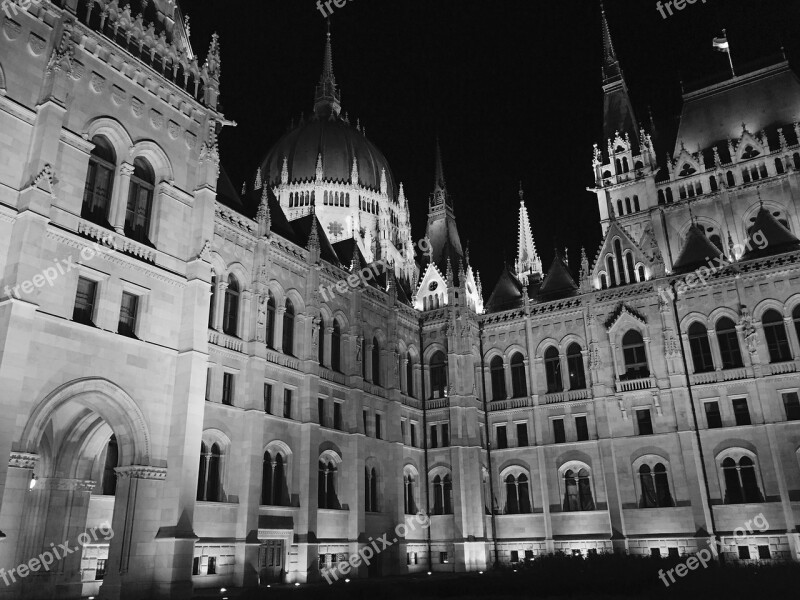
<point>86,304</point>
<point>620,268</point>
<point>644,426</point>
<point>97,195</point>
<point>627,206</point>
<point>439,434</point>
<point>412,558</point>
<point>741,411</point>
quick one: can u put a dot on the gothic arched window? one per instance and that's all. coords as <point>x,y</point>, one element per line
<point>498,375</point>
<point>635,356</point>
<point>438,369</point>
<point>230,316</point>
<point>336,347</point>
<point>577,491</point>
<point>140,202</point>
<point>270,337</point>
<point>109,484</point>
<point>577,375</point>
<point>728,344</point>
<point>519,382</point>
<point>376,361</point>
<point>552,370</point>
<point>777,341</point>
<point>288,328</point>
<point>700,348</point>
<point>517,495</point>
<point>99,182</point>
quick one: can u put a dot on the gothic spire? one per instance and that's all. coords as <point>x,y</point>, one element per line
<point>327,99</point>
<point>440,195</point>
<point>611,68</point>
<point>528,261</point>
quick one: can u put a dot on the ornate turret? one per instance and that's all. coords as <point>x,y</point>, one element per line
<point>327,99</point>
<point>528,263</point>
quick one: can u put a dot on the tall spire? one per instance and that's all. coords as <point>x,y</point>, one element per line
<point>528,262</point>
<point>618,115</point>
<point>440,195</point>
<point>611,68</point>
<point>441,229</point>
<point>327,99</point>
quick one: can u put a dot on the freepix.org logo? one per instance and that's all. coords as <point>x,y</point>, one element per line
<point>12,7</point>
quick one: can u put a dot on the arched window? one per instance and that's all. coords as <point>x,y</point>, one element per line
<point>209,488</point>
<point>442,495</point>
<point>728,344</point>
<point>796,160</point>
<point>777,341</point>
<point>655,487</point>
<point>628,208</point>
<point>288,328</point>
<point>517,495</point>
<point>577,375</point>
<point>552,370</point>
<point>630,268</point>
<point>670,198</point>
<point>519,382</point>
<point>109,485</point>
<point>410,377</point>
<point>212,305</point>
<point>578,491</point>
<point>409,494</point>
<point>376,361</point>
<point>741,481</point>
<point>498,378</point>
<point>619,208</point>
<point>730,179</point>
<point>99,182</point>
<point>326,485</point>
<point>712,182</point>
<point>370,490</point>
<point>661,199</point>
<point>612,278</point>
<point>634,354</point>
<point>640,271</point>
<point>700,348</point>
<point>230,316</point>
<point>796,320</point>
<point>336,347</point>
<point>636,206</point>
<point>620,261</point>
<point>438,369</point>
<point>270,337</point>
<point>364,358</point>
<point>140,202</point>
<point>625,167</point>
<point>603,281</point>
<point>321,342</point>
<point>274,490</point>
<point>779,166</point>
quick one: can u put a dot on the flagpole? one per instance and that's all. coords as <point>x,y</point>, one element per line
<point>730,56</point>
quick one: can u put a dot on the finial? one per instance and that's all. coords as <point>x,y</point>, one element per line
<point>521,192</point>
<point>285,170</point>
<point>760,199</point>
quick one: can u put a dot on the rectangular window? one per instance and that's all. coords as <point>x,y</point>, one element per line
<point>403,430</point>
<point>672,552</point>
<point>321,411</point>
<point>408,558</point>
<point>227,389</point>
<point>413,435</point>
<point>365,417</point>
<point>515,556</point>
<point>378,426</point>
<point>208,384</point>
<point>744,552</point>
<point>268,398</point>
<point>522,434</point>
<point>502,437</point>
<point>434,437</point>
<point>84,301</point>
<point>445,435</point>
<point>582,427</point>
<point>337,415</point>
<point>287,404</point>
<point>212,565</point>
<point>127,315</point>
<point>323,560</point>
<point>528,555</point>
<point>100,570</point>
<point>559,435</point>
<point>655,552</point>
<point>740,411</point>
<point>196,565</point>
<point>792,405</point>
<point>645,422</point>
<point>763,553</point>
<point>443,558</point>
<point>713,418</point>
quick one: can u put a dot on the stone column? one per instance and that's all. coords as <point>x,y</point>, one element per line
<point>404,383</point>
<point>219,298</point>
<point>131,569</point>
<point>368,362</point>
<point>507,377</point>
<point>562,360</point>
<point>788,323</point>
<point>716,354</point>
<point>244,317</point>
<point>279,312</point>
<point>119,203</point>
<point>650,364</point>
<point>327,350</point>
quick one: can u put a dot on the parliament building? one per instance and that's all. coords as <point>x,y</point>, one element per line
<point>178,358</point>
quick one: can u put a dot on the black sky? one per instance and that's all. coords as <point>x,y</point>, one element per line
<point>512,87</point>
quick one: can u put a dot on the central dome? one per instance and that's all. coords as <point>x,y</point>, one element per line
<point>338,142</point>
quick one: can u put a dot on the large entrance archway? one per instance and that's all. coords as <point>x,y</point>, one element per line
<point>83,463</point>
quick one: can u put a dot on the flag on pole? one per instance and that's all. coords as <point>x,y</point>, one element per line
<point>721,43</point>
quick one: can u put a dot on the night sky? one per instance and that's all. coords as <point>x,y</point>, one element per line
<point>513,89</point>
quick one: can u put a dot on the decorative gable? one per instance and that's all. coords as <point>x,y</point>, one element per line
<point>621,260</point>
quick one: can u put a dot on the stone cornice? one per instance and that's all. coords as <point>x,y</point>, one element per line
<point>142,472</point>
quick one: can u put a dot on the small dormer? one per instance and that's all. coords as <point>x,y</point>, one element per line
<point>432,291</point>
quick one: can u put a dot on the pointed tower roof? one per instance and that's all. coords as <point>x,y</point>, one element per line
<point>697,251</point>
<point>327,99</point>
<point>558,283</point>
<point>507,293</point>
<point>441,229</point>
<point>617,108</point>
<point>769,236</point>
<point>528,261</point>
